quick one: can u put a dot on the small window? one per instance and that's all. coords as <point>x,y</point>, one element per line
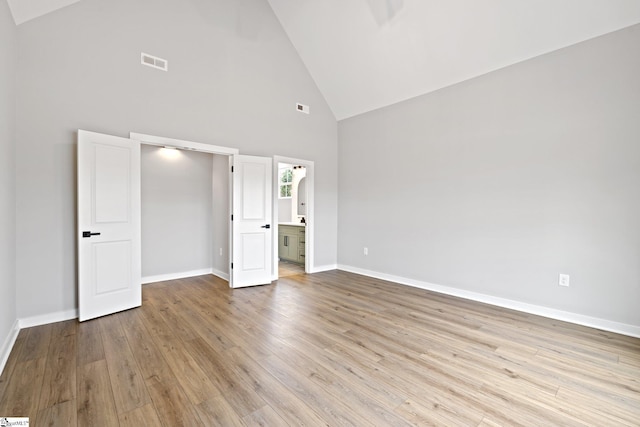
<point>286,181</point>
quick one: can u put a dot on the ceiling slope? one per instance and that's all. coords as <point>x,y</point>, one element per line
<point>25,10</point>
<point>367,54</point>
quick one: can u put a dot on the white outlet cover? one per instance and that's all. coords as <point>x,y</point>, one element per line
<point>564,279</point>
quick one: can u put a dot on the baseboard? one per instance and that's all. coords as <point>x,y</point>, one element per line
<point>321,268</point>
<point>8,343</point>
<point>61,316</point>
<point>579,319</point>
<point>44,319</point>
<point>317,269</point>
<point>175,276</point>
<point>220,274</point>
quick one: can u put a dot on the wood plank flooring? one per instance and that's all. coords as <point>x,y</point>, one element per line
<point>286,268</point>
<point>333,349</point>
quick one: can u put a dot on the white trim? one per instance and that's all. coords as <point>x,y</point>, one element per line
<point>7,346</point>
<point>174,276</point>
<point>220,274</point>
<point>579,319</point>
<point>161,141</point>
<point>229,222</point>
<point>310,216</point>
<point>321,268</point>
<point>45,319</point>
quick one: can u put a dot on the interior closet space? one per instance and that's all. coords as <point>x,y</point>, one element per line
<point>185,205</point>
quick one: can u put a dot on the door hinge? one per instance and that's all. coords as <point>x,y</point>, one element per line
<point>231,217</point>
<point>232,266</point>
<point>231,168</point>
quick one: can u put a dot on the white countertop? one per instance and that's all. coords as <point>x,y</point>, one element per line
<point>297,224</point>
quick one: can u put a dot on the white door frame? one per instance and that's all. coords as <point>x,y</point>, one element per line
<point>161,141</point>
<point>309,233</point>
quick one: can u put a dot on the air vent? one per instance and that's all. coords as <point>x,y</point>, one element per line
<point>154,61</point>
<point>302,108</point>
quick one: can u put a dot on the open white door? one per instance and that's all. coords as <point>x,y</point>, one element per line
<point>109,257</point>
<point>251,221</point>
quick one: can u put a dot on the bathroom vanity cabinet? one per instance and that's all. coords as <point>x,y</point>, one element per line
<point>291,240</point>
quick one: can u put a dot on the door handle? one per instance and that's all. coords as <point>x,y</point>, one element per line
<point>266,226</point>
<point>89,234</point>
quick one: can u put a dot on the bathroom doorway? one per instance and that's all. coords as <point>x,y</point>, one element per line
<point>293,209</point>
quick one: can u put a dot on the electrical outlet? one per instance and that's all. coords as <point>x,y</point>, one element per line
<point>563,279</point>
<point>366,251</point>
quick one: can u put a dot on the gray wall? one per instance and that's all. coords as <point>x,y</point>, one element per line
<point>284,210</point>
<point>497,184</point>
<point>221,212</point>
<point>8,56</point>
<point>233,80</point>
<point>177,210</point>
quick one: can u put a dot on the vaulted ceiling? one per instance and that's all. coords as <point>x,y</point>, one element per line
<point>26,10</point>
<point>367,54</point>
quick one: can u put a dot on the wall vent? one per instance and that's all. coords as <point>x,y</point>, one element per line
<point>154,61</point>
<point>302,108</point>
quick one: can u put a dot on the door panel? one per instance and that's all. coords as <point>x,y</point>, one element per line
<point>112,184</point>
<point>112,263</point>
<point>253,259</point>
<point>109,260</point>
<point>252,232</point>
<point>253,191</point>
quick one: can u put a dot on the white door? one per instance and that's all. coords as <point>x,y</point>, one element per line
<point>109,257</point>
<point>251,221</point>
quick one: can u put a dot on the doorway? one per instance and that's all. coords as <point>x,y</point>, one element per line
<point>177,213</point>
<point>109,198</point>
<point>218,240</point>
<point>308,208</point>
<point>185,213</point>
<point>293,210</point>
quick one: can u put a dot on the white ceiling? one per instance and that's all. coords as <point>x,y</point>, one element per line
<point>367,54</point>
<point>25,10</point>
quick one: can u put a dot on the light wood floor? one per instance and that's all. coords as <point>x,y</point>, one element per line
<point>325,349</point>
<point>286,269</point>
